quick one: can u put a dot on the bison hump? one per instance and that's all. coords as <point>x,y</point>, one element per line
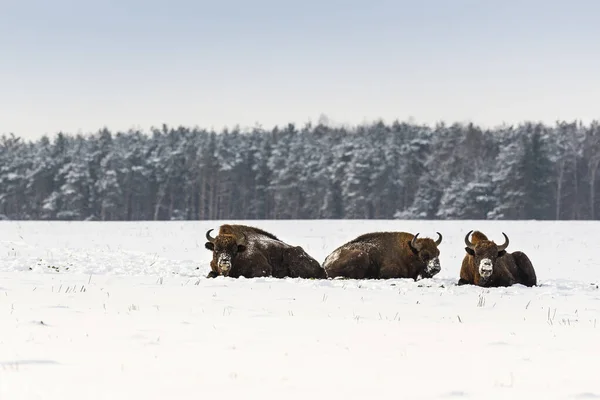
<point>478,236</point>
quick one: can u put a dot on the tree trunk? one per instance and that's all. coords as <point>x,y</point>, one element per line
<point>559,185</point>
<point>594,168</point>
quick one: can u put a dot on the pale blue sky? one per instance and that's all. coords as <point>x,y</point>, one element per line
<point>77,66</point>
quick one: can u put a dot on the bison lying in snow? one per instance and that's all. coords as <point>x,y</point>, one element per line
<point>240,250</point>
<point>385,255</point>
<point>489,265</point>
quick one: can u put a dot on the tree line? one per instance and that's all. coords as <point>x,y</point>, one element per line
<point>372,171</point>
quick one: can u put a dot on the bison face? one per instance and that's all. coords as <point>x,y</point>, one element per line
<point>485,253</point>
<point>428,254</point>
<point>225,248</point>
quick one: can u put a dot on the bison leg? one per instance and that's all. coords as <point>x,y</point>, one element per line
<point>212,274</point>
<point>257,271</point>
<point>525,269</point>
<point>504,281</point>
<point>351,263</point>
<point>466,275</point>
<point>259,268</point>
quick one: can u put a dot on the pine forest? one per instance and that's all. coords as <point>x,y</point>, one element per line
<point>372,171</point>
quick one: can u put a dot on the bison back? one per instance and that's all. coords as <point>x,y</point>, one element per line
<point>249,231</point>
<point>525,268</point>
<point>301,265</point>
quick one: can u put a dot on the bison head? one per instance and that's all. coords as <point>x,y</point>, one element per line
<point>225,248</point>
<point>428,253</point>
<point>485,252</point>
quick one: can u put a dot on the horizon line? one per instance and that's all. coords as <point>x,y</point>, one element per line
<point>322,120</point>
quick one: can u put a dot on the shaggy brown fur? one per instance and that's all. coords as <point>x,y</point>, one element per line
<point>499,269</point>
<point>240,250</point>
<point>385,255</point>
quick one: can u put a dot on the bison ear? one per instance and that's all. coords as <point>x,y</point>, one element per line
<point>241,248</point>
<point>501,253</point>
<point>210,246</point>
<point>470,251</point>
<point>410,246</point>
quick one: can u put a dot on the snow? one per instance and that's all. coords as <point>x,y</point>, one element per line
<point>131,317</point>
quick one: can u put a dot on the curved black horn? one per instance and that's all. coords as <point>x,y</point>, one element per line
<point>439,240</point>
<point>208,237</point>
<point>413,242</point>
<point>468,242</point>
<point>505,244</point>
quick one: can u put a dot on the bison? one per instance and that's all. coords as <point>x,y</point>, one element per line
<point>240,250</point>
<point>489,265</point>
<point>385,255</point>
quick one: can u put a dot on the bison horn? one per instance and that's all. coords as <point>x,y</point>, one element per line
<point>413,242</point>
<point>439,240</point>
<point>505,244</point>
<point>208,237</point>
<point>468,242</point>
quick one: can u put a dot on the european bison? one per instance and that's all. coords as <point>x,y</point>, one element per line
<point>385,255</point>
<point>489,265</point>
<point>240,250</point>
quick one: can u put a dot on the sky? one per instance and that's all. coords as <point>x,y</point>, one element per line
<point>78,66</point>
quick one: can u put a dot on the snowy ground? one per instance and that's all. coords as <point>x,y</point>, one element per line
<point>92,310</point>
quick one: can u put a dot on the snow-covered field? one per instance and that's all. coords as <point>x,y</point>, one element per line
<point>93,310</point>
